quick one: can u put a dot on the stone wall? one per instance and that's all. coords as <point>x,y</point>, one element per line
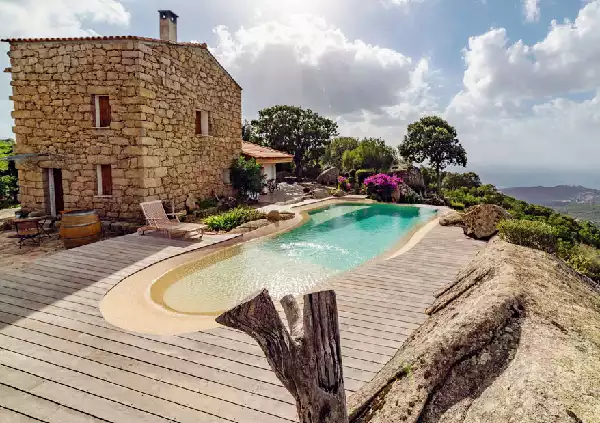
<point>53,84</point>
<point>177,81</point>
<point>154,89</point>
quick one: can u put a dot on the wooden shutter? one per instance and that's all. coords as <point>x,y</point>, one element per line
<point>94,120</point>
<point>106,180</point>
<point>104,111</point>
<point>198,122</point>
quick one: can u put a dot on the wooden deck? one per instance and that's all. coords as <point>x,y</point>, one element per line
<point>60,361</point>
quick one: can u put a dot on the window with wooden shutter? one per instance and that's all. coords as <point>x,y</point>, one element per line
<point>203,123</point>
<point>101,111</point>
<point>198,122</point>
<point>104,180</point>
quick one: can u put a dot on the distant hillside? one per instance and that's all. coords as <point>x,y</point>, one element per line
<point>555,196</point>
<point>577,201</point>
<point>582,211</point>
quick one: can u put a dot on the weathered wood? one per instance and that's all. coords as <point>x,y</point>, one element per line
<point>307,359</point>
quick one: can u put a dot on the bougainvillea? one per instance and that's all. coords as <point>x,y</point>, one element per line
<point>381,186</point>
<point>344,183</point>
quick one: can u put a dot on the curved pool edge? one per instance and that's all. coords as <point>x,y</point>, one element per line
<point>130,306</point>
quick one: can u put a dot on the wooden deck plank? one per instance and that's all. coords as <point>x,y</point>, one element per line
<point>8,415</point>
<point>212,379</point>
<point>60,353</point>
<point>132,382</point>
<point>34,408</point>
<point>82,401</point>
<point>52,290</point>
<point>55,282</point>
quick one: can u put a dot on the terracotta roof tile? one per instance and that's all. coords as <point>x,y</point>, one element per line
<point>109,38</point>
<point>259,152</point>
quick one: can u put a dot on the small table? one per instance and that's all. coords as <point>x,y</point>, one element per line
<point>30,228</point>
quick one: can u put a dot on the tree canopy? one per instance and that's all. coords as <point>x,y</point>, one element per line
<point>371,153</point>
<point>297,131</point>
<point>8,175</point>
<point>434,140</point>
<point>457,180</point>
<point>336,149</point>
<point>246,176</point>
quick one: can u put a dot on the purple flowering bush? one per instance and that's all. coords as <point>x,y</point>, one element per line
<point>381,186</point>
<point>344,183</point>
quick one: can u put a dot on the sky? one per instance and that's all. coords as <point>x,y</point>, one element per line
<point>519,79</point>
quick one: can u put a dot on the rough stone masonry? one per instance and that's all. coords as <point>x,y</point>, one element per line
<point>155,88</point>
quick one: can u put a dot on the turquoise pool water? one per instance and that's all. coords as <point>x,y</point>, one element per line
<point>334,239</point>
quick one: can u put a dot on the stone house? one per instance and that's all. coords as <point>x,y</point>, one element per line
<point>109,122</point>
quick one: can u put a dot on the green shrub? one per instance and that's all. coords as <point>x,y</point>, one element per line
<point>232,218</point>
<point>585,260</point>
<point>529,233</point>
<point>456,205</point>
<point>208,203</point>
<point>362,174</point>
<point>246,176</point>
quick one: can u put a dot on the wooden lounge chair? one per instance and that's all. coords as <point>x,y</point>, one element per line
<point>28,229</point>
<point>157,220</point>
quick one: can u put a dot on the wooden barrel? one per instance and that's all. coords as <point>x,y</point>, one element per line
<point>80,227</point>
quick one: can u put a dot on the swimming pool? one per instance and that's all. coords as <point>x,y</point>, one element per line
<point>334,239</point>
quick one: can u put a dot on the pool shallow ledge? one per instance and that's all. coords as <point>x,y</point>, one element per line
<point>136,303</point>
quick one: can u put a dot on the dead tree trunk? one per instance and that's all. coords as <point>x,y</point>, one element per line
<point>308,358</point>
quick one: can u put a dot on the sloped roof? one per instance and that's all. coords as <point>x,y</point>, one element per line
<point>107,38</point>
<point>120,38</point>
<point>265,153</point>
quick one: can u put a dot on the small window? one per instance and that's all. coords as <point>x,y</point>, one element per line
<point>202,123</point>
<point>104,180</point>
<point>101,111</point>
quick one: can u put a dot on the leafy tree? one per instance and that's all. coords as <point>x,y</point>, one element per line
<point>376,154</point>
<point>434,140</point>
<point>8,175</point>
<point>351,159</point>
<point>296,131</point>
<point>249,133</point>
<point>334,152</point>
<point>246,176</point>
<point>246,130</point>
<point>456,180</point>
<point>371,153</point>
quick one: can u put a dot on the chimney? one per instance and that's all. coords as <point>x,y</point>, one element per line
<point>168,25</point>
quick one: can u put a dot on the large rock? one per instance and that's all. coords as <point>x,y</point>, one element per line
<point>329,176</point>
<point>274,216</point>
<point>255,224</point>
<point>481,221</point>
<point>434,200</point>
<point>452,219</point>
<point>320,193</point>
<point>411,176</point>
<point>513,339</point>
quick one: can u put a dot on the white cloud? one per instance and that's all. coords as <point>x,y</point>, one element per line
<point>567,61</point>
<point>560,134</point>
<point>58,18</point>
<point>531,9</point>
<point>401,3</point>
<point>517,105</point>
<point>305,61</point>
<point>49,18</point>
